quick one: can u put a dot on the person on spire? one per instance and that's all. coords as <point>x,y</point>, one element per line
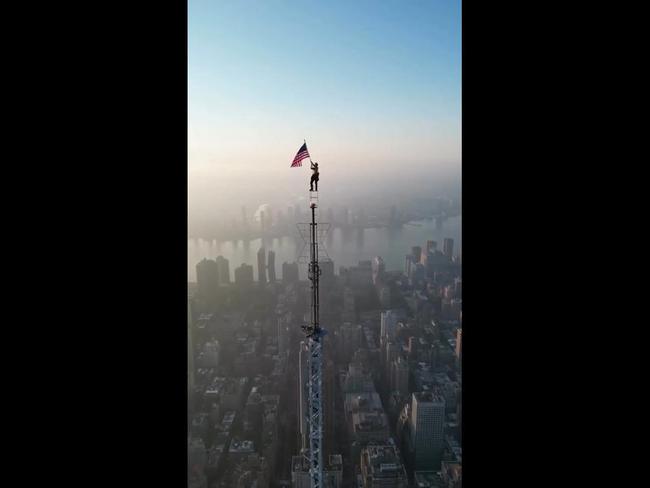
<point>314,177</point>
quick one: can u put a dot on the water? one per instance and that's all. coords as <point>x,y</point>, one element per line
<point>345,248</point>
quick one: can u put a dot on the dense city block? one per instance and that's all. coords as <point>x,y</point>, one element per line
<point>391,372</point>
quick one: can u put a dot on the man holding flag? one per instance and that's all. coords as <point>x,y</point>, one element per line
<point>303,153</point>
<point>314,177</point>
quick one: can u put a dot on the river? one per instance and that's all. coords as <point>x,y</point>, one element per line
<point>344,247</point>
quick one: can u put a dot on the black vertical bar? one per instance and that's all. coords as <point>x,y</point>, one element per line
<point>314,268</point>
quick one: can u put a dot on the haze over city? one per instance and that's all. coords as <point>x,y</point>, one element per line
<point>324,324</point>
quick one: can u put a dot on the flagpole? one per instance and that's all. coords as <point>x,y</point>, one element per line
<point>305,141</point>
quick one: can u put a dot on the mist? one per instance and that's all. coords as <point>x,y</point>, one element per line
<point>218,194</point>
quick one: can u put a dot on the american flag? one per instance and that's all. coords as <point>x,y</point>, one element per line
<point>302,154</point>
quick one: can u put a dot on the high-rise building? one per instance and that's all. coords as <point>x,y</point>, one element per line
<point>388,325</point>
<point>400,376</point>
<point>223,265</point>
<point>418,273</point>
<point>416,251</point>
<point>283,335</point>
<point>381,466</point>
<point>261,264</point>
<point>427,429</point>
<point>378,269</point>
<point>244,275</point>
<point>390,353</point>
<point>333,472</point>
<point>408,262</point>
<point>290,272</point>
<point>271,266</point>
<point>448,247</point>
<point>357,276</point>
<point>207,278</point>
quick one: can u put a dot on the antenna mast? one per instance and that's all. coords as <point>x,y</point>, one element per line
<point>314,334</point>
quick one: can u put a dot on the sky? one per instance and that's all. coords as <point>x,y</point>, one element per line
<point>373,86</point>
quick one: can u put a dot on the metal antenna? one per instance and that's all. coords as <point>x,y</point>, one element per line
<point>314,334</point>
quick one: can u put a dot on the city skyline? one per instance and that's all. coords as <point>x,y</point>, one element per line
<point>324,353</point>
<point>391,381</point>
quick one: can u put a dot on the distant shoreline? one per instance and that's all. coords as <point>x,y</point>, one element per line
<point>416,222</point>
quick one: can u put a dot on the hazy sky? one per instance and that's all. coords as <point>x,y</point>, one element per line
<point>374,86</point>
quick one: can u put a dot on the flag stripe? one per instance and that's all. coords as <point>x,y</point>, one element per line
<point>302,154</point>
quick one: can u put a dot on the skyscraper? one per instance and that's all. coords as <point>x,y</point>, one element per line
<point>271,266</point>
<point>244,274</point>
<point>207,278</point>
<point>416,251</point>
<point>378,269</point>
<point>283,335</point>
<point>448,247</point>
<point>427,429</point>
<point>388,326</point>
<point>410,260</point>
<point>399,380</point>
<point>261,264</point>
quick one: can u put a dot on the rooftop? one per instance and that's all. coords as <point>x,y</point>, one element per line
<point>428,397</point>
<point>383,461</point>
<point>369,422</point>
<point>245,446</point>
<point>427,479</point>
